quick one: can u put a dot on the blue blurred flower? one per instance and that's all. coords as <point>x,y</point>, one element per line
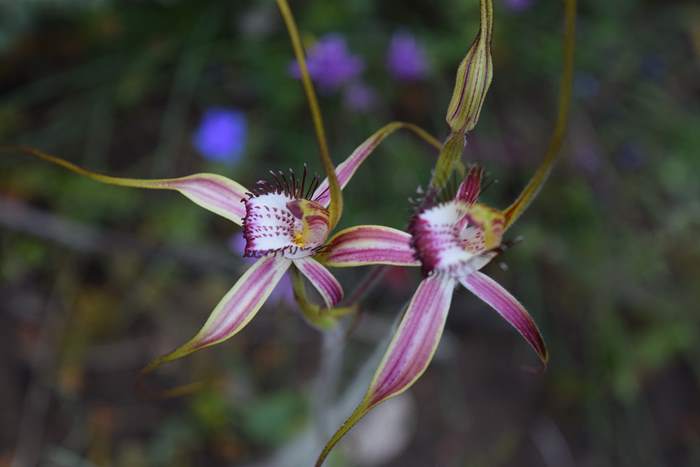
<point>221,135</point>
<point>330,63</point>
<point>518,5</point>
<point>359,97</point>
<point>406,59</point>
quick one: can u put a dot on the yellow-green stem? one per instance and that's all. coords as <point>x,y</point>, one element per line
<point>336,204</point>
<point>450,155</point>
<point>513,212</point>
<point>486,29</point>
<point>161,184</point>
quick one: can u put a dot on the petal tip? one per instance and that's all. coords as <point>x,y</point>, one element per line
<point>169,357</point>
<point>543,353</point>
<point>352,420</point>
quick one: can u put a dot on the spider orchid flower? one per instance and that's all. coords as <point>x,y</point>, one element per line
<point>451,242</point>
<point>286,221</point>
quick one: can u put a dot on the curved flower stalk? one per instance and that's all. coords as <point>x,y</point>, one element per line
<point>451,241</point>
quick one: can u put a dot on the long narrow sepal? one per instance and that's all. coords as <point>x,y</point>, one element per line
<point>236,309</point>
<point>321,278</point>
<point>335,208</point>
<point>509,308</point>
<point>349,166</point>
<point>409,353</point>
<point>513,212</point>
<point>215,193</point>
<point>369,244</point>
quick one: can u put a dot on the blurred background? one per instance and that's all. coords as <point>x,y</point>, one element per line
<point>98,280</point>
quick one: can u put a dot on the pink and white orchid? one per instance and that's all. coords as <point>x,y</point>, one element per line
<point>286,222</point>
<point>451,241</point>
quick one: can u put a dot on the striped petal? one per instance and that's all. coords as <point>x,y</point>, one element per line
<point>369,244</point>
<point>469,189</point>
<point>508,307</point>
<point>410,350</point>
<point>321,278</point>
<point>236,309</point>
<point>213,192</point>
<point>349,166</point>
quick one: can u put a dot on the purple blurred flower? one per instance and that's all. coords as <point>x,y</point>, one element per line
<point>518,5</point>
<point>330,63</point>
<point>283,292</point>
<point>406,59</point>
<point>359,97</point>
<point>221,135</point>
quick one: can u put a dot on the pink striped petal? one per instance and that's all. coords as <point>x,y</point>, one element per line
<point>508,307</point>
<point>369,244</point>
<point>469,189</point>
<point>321,278</point>
<point>349,166</point>
<point>216,193</point>
<point>410,351</point>
<point>236,309</point>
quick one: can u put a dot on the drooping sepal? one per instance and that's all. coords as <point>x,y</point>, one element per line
<point>369,244</point>
<point>213,192</point>
<point>409,353</point>
<point>236,309</point>
<point>509,308</point>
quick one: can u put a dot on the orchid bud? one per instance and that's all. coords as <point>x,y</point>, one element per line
<point>474,77</point>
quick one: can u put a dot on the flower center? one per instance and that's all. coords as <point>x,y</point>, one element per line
<point>456,237</point>
<point>280,221</point>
